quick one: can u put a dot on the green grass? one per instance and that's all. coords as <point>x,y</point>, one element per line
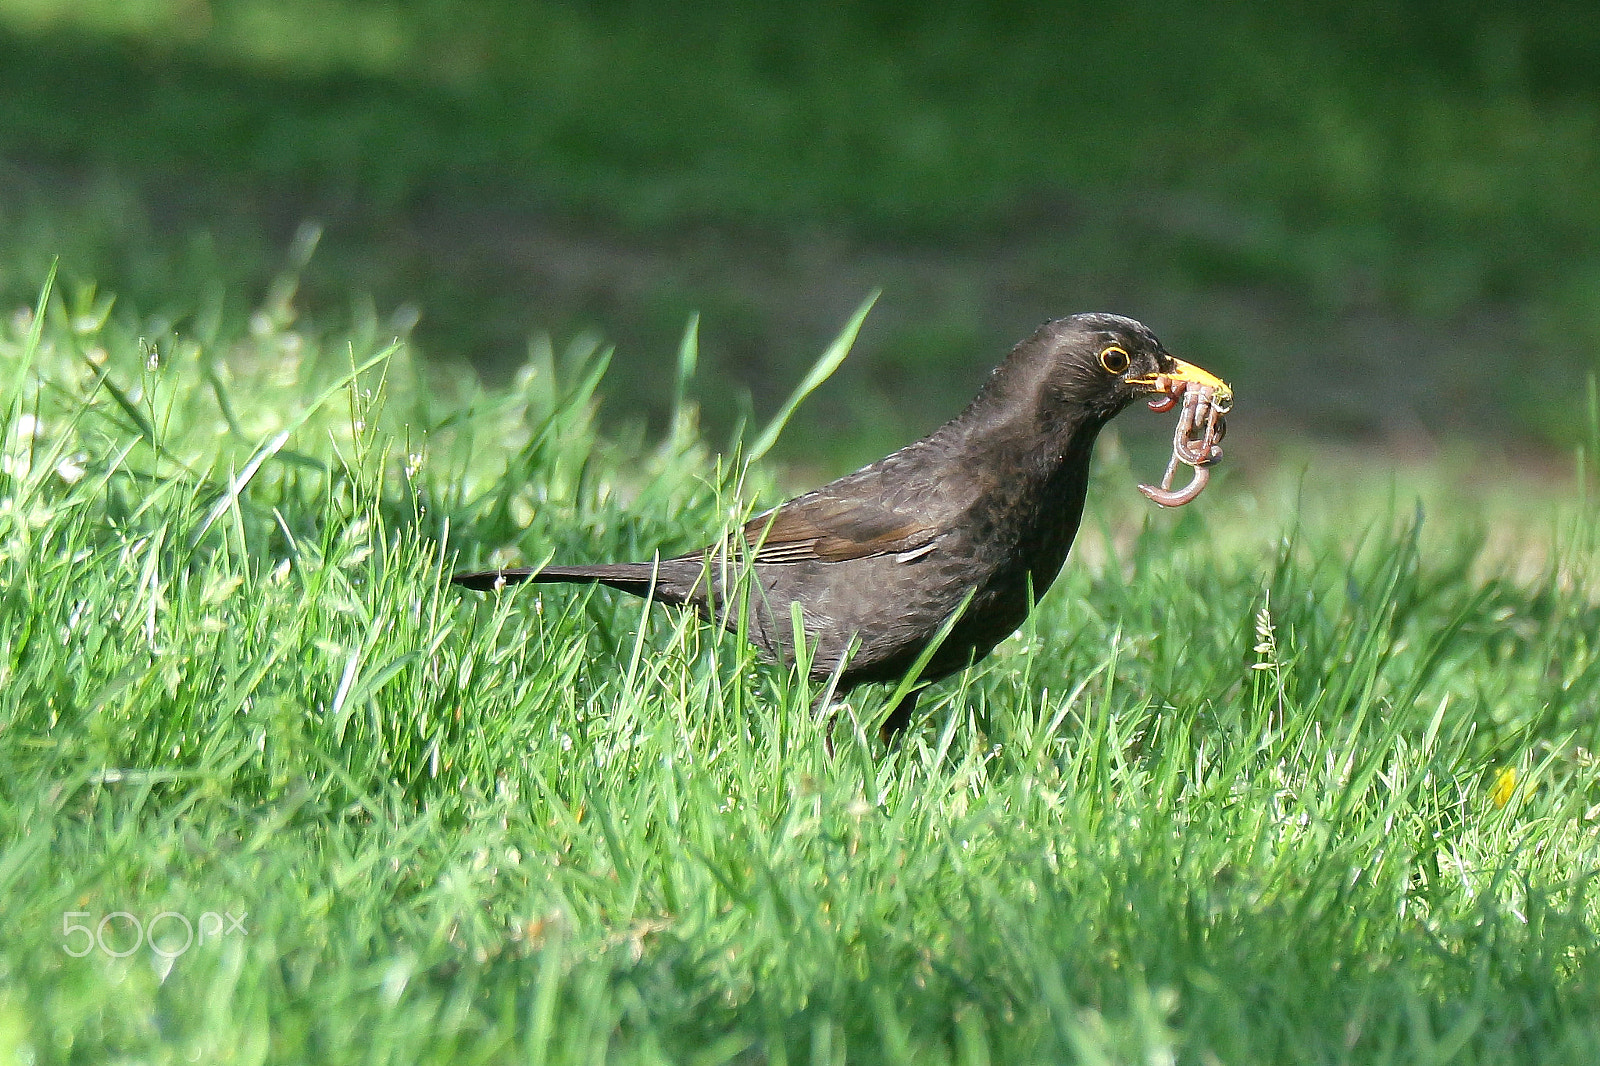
<point>1226,798</point>
<point>1378,215</point>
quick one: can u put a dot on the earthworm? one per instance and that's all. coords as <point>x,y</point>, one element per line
<point>1195,442</point>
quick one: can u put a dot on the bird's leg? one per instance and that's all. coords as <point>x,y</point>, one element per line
<point>898,718</point>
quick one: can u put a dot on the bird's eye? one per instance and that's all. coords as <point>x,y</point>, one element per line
<point>1114,359</point>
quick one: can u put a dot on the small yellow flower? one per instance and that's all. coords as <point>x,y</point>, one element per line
<point>1505,786</point>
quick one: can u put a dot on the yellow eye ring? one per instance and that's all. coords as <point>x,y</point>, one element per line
<point>1114,360</point>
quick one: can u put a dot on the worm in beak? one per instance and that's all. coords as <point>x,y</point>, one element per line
<point>1196,443</point>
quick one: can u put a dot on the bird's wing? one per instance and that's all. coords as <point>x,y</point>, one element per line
<point>825,527</point>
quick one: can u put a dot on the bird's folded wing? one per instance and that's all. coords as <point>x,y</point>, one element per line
<point>833,529</point>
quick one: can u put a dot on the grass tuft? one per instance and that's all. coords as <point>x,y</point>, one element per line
<point>1237,791</point>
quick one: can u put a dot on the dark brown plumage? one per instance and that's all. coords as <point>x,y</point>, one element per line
<point>987,505</point>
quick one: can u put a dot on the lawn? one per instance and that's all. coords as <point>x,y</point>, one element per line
<point>1302,773</point>
<point>1382,217</point>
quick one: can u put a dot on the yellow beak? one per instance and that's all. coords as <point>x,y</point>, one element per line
<point>1186,374</point>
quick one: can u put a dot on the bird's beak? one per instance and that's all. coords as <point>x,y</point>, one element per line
<point>1183,376</point>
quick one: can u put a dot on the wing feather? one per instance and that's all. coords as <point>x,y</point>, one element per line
<point>832,529</point>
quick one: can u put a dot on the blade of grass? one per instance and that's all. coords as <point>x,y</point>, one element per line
<point>820,371</point>
<point>271,447</point>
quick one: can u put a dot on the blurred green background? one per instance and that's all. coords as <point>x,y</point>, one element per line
<point>1380,220</point>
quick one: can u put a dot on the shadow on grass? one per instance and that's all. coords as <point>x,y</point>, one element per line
<point>1342,220</point>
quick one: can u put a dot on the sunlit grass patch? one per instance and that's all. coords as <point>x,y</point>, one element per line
<point>1232,794</point>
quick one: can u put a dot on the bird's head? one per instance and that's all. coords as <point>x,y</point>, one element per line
<point>1074,375</point>
<point>1096,364</point>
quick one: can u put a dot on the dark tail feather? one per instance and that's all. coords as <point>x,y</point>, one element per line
<point>629,577</point>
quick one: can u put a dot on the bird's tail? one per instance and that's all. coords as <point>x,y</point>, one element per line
<point>636,578</point>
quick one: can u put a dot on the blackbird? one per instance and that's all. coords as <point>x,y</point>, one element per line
<point>977,517</point>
